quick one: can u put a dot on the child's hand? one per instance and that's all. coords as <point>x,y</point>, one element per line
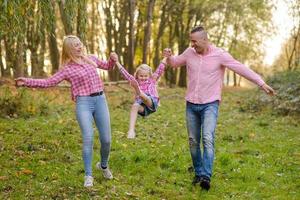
<point>118,65</point>
<point>164,61</point>
<point>114,57</point>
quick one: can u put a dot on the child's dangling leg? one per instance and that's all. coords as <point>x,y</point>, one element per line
<point>133,116</point>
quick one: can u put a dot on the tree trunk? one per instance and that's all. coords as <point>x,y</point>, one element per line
<point>132,5</point>
<point>1,62</point>
<point>294,45</point>
<point>67,11</point>
<point>34,62</point>
<point>19,61</point>
<point>49,15</point>
<point>82,21</point>
<point>239,81</point>
<point>171,74</point>
<point>91,41</point>
<point>109,31</point>
<point>160,33</point>
<point>54,54</point>
<point>183,34</point>
<point>10,52</point>
<point>4,72</point>
<point>234,79</point>
<point>147,31</point>
<point>122,16</point>
<point>227,76</point>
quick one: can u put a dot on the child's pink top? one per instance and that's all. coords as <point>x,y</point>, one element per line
<point>148,86</point>
<point>84,78</point>
<point>206,73</point>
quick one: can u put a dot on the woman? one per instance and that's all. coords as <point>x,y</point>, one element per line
<point>87,91</point>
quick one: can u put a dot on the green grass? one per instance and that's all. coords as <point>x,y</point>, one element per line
<point>257,154</point>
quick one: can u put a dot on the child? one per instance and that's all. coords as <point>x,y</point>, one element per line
<point>144,84</point>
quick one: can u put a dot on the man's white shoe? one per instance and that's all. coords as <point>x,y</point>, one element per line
<point>88,181</point>
<point>106,172</point>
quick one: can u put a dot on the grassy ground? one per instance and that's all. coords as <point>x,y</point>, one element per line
<point>257,154</point>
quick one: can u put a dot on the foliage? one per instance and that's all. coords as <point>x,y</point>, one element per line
<point>239,26</point>
<point>21,103</point>
<point>257,154</point>
<point>289,57</point>
<point>287,99</point>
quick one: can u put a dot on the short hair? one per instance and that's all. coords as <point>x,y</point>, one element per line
<point>197,29</point>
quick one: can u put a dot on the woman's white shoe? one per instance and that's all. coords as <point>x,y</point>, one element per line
<point>106,172</point>
<point>88,181</point>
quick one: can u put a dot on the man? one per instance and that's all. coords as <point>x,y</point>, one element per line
<point>205,70</point>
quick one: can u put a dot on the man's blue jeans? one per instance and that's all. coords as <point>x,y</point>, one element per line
<point>201,120</point>
<point>89,109</point>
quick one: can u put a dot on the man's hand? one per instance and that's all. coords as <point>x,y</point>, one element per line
<point>114,56</point>
<point>20,82</point>
<point>167,52</point>
<point>270,91</point>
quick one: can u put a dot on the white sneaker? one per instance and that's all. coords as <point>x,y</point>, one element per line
<point>106,172</point>
<point>88,181</point>
<point>131,135</point>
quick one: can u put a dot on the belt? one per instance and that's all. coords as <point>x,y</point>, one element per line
<point>96,94</point>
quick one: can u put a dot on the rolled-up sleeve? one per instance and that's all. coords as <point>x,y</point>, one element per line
<point>177,61</point>
<point>102,64</point>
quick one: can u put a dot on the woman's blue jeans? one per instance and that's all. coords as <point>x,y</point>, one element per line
<point>201,120</point>
<point>89,109</point>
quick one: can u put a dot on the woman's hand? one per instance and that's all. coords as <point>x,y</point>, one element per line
<point>20,82</point>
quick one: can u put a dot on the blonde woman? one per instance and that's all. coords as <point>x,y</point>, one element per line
<point>87,91</point>
<point>144,83</point>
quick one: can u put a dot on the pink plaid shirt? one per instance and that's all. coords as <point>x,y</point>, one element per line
<point>84,78</point>
<point>206,73</point>
<point>148,86</point>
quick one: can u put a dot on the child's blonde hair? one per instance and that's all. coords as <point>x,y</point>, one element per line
<point>143,67</point>
<point>67,54</point>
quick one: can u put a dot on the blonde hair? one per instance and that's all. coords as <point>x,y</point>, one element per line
<point>143,67</point>
<point>67,54</point>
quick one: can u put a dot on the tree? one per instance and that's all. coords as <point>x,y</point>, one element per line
<point>131,45</point>
<point>68,13</point>
<point>82,20</point>
<point>48,10</point>
<point>147,30</point>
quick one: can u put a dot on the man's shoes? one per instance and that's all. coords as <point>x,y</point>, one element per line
<point>205,183</point>
<point>197,179</point>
